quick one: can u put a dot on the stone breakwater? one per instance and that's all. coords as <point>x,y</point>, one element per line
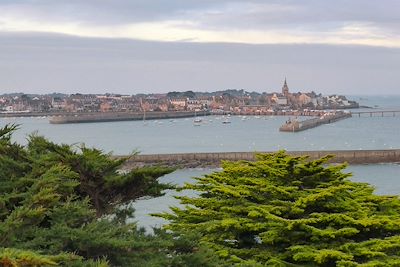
<point>122,116</point>
<point>330,117</point>
<point>192,160</point>
<point>36,114</point>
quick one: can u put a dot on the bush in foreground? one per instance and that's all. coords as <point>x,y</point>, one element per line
<point>288,211</point>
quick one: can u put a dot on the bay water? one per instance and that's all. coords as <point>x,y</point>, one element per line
<point>251,133</point>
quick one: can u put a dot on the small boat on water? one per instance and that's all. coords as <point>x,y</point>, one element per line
<point>144,118</point>
<point>197,121</point>
<point>226,121</point>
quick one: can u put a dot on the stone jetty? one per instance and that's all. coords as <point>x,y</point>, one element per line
<point>213,159</point>
<point>294,125</point>
<point>122,116</point>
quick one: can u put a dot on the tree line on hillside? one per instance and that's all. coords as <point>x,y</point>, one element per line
<point>63,205</point>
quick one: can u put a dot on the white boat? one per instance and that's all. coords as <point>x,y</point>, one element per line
<point>226,121</point>
<point>197,121</point>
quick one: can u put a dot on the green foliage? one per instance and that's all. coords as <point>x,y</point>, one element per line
<point>287,211</point>
<point>14,257</point>
<point>65,206</point>
<point>98,173</point>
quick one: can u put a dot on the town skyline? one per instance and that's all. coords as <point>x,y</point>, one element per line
<point>129,47</point>
<point>231,100</point>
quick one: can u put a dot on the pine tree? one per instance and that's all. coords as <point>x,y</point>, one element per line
<point>288,211</point>
<point>67,206</point>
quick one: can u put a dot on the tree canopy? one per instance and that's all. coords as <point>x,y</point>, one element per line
<point>64,205</point>
<point>289,211</point>
<point>67,206</point>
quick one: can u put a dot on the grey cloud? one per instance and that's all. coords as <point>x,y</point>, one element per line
<point>105,11</point>
<point>47,63</point>
<point>314,15</point>
<point>312,18</point>
<point>253,13</point>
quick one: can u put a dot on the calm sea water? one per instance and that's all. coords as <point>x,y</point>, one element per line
<point>242,134</point>
<point>378,102</point>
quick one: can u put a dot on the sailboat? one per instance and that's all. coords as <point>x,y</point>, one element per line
<point>197,121</point>
<point>144,117</point>
<point>226,120</point>
<point>144,112</point>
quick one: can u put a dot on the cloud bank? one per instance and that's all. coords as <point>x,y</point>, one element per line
<point>357,22</point>
<point>132,46</point>
<point>49,62</point>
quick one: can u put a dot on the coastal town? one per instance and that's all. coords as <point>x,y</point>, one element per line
<point>232,101</point>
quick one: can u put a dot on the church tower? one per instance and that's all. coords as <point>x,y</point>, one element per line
<point>285,89</point>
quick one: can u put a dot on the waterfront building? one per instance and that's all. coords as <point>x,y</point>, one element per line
<point>304,99</point>
<point>194,104</point>
<point>279,99</point>
<point>58,103</point>
<point>106,107</point>
<point>178,103</point>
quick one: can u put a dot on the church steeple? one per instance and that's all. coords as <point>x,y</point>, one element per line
<point>285,88</point>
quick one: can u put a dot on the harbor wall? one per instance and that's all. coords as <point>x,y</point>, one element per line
<point>214,159</point>
<point>296,126</point>
<point>37,114</point>
<point>123,116</point>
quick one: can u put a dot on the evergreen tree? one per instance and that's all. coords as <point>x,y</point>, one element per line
<point>67,206</point>
<point>288,211</point>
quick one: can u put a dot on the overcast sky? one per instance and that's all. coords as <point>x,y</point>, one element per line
<point>142,46</point>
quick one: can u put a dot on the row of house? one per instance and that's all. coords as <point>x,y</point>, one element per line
<point>228,100</point>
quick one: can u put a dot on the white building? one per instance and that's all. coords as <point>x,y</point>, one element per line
<point>279,99</point>
<point>194,104</point>
<point>179,103</point>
